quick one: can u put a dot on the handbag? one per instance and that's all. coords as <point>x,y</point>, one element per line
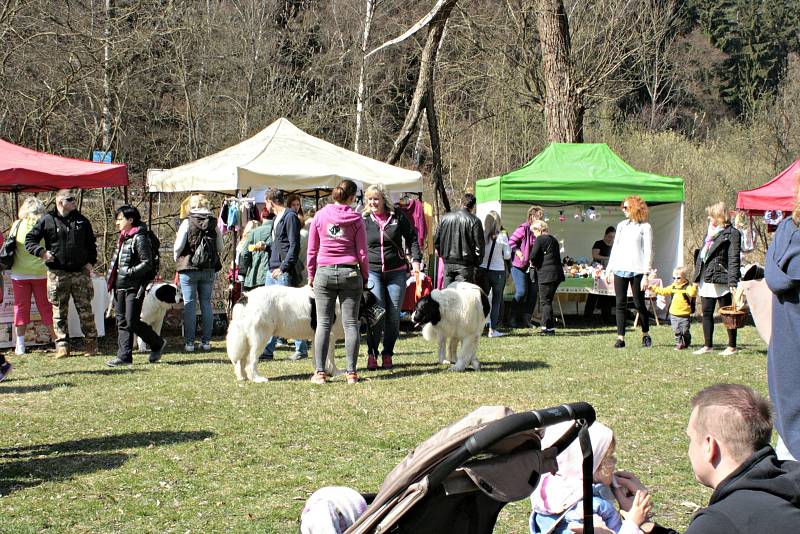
<point>9,249</point>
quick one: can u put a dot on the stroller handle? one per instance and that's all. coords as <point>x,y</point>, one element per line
<point>507,426</point>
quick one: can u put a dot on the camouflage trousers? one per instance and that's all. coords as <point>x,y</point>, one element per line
<point>61,285</point>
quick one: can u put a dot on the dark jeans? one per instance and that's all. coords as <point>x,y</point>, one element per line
<point>388,289</point>
<point>524,294</point>
<point>621,294</point>
<point>345,283</point>
<point>454,272</point>
<point>709,305</point>
<point>129,309</point>
<point>547,290</point>
<point>497,279</point>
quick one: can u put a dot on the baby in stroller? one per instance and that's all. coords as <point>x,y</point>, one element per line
<point>557,500</point>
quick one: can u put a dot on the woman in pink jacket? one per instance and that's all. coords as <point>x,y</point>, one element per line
<point>337,268</point>
<point>521,243</point>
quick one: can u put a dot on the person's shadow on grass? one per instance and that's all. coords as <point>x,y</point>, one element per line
<point>32,465</point>
<point>33,388</point>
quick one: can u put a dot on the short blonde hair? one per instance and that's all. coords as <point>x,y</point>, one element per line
<point>539,226</point>
<point>681,271</point>
<point>31,208</point>
<point>199,200</point>
<point>719,214</point>
<point>378,189</point>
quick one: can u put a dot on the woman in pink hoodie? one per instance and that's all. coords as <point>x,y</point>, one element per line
<point>337,268</point>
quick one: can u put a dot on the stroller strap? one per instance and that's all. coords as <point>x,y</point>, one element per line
<point>588,477</point>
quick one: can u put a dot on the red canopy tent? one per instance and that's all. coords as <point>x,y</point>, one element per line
<point>23,169</point>
<point>777,194</point>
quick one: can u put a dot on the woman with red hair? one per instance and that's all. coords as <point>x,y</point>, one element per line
<point>630,263</point>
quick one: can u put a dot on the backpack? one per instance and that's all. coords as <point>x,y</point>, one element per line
<point>203,255</point>
<point>155,251</point>
<point>692,302</point>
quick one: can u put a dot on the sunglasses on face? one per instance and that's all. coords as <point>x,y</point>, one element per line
<point>69,199</point>
<point>626,208</point>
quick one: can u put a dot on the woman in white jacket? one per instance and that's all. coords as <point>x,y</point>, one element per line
<point>630,263</point>
<point>495,254</point>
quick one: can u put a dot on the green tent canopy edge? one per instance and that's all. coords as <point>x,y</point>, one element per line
<point>572,173</point>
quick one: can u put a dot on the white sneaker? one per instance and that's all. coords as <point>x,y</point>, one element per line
<point>702,350</point>
<point>495,333</point>
<point>188,348</point>
<point>729,351</point>
<point>19,350</point>
<point>205,346</point>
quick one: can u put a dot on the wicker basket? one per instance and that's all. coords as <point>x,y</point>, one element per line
<point>733,318</point>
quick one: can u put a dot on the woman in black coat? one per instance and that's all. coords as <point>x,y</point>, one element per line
<point>132,268</point>
<point>546,258</point>
<point>717,272</point>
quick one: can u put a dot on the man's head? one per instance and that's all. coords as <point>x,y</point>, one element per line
<point>276,200</point>
<point>469,202</point>
<point>66,201</point>
<point>729,422</point>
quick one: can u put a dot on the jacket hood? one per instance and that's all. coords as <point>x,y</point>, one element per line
<point>763,472</point>
<point>342,214</point>
<point>784,247</point>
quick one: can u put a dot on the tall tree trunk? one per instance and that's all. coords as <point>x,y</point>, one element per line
<point>563,108</point>
<point>362,74</point>
<point>423,98</point>
<point>106,119</point>
<point>436,149</point>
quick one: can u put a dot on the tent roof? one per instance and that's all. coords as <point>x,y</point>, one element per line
<point>565,173</point>
<point>23,169</point>
<point>777,194</point>
<point>285,157</point>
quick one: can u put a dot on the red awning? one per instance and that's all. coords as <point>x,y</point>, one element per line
<point>23,169</point>
<point>777,194</point>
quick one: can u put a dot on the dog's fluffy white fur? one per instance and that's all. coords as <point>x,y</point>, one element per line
<point>154,308</point>
<point>273,311</point>
<point>462,307</point>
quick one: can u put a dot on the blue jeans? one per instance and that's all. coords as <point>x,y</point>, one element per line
<point>300,345</point>
<point>197,284</point>
<point>388,289</point>
<point>524,292</point>
<point>497,279</point>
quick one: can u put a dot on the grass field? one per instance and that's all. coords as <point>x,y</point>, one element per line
<point>179,446</point>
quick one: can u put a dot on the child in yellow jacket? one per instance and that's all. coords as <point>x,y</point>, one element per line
<point>680,310</point>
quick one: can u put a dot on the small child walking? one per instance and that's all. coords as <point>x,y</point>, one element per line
<point>680,310</point>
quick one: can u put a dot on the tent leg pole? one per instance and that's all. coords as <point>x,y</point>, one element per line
<point>16,203</point>
<point>149,210</point>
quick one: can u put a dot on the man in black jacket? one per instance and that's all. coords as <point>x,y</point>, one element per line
<point>132,268</point>
<point>729,434</point>
<point>283,260</point>
<point>69,252</point>
<point>459,242</point>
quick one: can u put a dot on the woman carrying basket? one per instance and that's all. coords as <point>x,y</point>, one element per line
<point>717,272</point>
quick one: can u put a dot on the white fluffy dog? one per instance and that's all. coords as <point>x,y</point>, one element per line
<point>277,311</point>
<point>456,314</point>
<point>159,297</point>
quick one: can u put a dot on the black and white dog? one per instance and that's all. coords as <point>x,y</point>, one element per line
<point>456,314</point>
<point>288,312</point>
<point>159,297</point>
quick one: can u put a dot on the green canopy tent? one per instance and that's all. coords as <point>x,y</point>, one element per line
<point>581,187</point>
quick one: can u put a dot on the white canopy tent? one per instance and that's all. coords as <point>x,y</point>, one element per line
<point>285,157</point>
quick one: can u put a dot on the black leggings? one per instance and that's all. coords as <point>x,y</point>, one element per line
<point>709,305</point>
<point>547,290</point>
<point>621,293</point>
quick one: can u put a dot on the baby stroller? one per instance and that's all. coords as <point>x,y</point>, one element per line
<point>459,479</point>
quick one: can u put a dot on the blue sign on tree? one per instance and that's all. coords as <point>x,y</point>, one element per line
<point>101,156</point>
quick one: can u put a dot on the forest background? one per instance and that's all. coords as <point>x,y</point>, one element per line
<point>708,90</point>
